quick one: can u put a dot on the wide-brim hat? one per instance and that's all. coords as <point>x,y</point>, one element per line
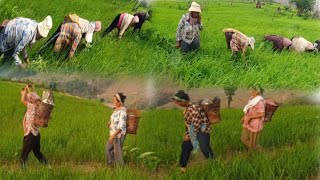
<point>94,26</point>
<point>45,26</point>
<point>195,7</point>
<point>135,19</point>
<point>251,42</point>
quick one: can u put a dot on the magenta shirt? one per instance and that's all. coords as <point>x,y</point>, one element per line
<point>255,125</point>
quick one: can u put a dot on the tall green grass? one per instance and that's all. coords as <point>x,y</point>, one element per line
<point>75,140</point>
<point>153,52</point>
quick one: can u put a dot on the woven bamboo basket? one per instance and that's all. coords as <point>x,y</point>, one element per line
<point>271,108</point>
<point>213,112</point>
<point>133,117</point>
<point>43,115</point>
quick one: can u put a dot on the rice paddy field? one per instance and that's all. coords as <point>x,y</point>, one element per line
<point>75,140</point>
<point>152,52</point>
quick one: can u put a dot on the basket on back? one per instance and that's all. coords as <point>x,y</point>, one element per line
<point>133,117</point>
<point>212,109</point>
<point>44,110</point>
<point>270,109</point>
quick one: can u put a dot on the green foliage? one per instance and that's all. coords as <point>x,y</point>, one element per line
<point>304,6</point>
<point>74,144</point>
<point>153,52</point>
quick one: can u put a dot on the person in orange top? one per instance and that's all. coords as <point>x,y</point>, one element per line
<point>253,119</point>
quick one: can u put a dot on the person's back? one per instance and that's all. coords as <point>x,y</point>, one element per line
<point>15,30</point>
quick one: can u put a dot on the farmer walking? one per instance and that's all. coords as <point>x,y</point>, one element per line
<point>20,32</point>
<point>188,31</point>
<point>238,41</point>
<point>71,32</point>
<point>117,126</point>
<point>123,22</point>
<point>31,139</point>
<point>198,129</point>
<point>253,119</point>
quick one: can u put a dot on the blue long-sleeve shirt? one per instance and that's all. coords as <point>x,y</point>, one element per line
<point>17,34</point>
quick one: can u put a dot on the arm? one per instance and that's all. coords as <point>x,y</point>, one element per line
<point>180,26</point>
<point>24,96</point>
<point>121,126</point>
<point>197,120</point>
<point>21,47</point>
<point>75,43</point>
<point>255,116</point>
<point>200,23</point>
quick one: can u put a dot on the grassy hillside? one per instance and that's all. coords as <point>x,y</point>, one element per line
<point>153,53</point>
<point>75,139</point>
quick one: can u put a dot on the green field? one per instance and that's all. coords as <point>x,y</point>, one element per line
<point>152,53</point>
<point>75,139</point>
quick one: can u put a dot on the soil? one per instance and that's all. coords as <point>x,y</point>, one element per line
<point>148,93</point>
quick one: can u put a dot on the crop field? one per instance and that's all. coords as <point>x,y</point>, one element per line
<point>75,140</point>
<point>152,52</point>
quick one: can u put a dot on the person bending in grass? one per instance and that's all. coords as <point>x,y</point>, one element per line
<point>19,33</point>
<point>198,129</point>
<point>188,31</point>
<point>253,119</point>
<point>238,41</point>
<point>117,126</point>
<point>72,30</point>
<point>31,139</point>
<point>122,22</point>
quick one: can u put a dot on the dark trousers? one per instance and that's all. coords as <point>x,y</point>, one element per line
<point>112,25</point>
<point>185,47</point>
<point>204,143</point>
<point>31,142</point>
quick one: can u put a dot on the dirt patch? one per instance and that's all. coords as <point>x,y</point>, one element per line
<point>147,92</point>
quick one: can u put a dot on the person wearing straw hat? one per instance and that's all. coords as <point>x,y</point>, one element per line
<point>20,32</point>
<point>198,129</point>
<point>122,22</point>
<point>238,41</point>
<point>71,32</point>
<point>87,30</point>
<point>117,126</point>
<point>31,139</point>
<point>188,31</point>
<point>253,119</point>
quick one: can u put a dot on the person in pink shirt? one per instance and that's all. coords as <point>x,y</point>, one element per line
<point>253,119</point>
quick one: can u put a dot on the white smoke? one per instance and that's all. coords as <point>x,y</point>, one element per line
<point>150,91</point>
<point>315,98</point>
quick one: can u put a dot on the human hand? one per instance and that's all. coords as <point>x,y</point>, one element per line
<point>186,138</point>
<point>27,60</point>
<point>199,19</point>
<point>178,44</point>
<point>111,139</point>
<point>242,120</point>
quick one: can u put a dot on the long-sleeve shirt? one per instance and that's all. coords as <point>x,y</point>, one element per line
<point>87,29</point>
<point>70,34</point>
<point>187,32</point>
<point>17,34</point>
<point>239,42</point>
<point>126,20</point>
<point>195,115</point>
